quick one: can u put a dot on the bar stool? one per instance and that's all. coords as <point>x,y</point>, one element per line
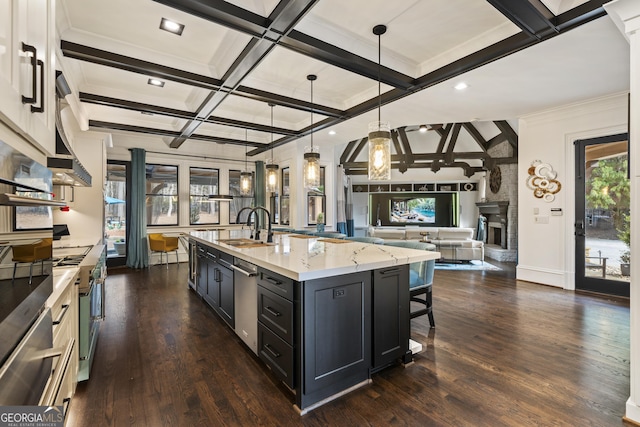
<point>164,245</point>
<point>32,253</point>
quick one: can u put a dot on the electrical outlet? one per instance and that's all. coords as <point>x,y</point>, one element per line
<point>245,333</point>
<point>337,293</point>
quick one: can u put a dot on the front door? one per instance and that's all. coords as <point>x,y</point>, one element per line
<point>602,215</point>
<point>115,224</point>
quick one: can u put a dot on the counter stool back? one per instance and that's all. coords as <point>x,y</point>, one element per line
<point>420,279</point>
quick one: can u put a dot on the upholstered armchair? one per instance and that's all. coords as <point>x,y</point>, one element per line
<point>164,245</point>
<point>31,253</point>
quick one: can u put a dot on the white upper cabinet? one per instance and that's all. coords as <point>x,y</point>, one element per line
<point>27,70</point>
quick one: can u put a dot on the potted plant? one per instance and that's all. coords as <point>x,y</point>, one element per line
<point>625,263</point>
<point>625,257</point>
<point>320,222</point>
<point>120,246</point>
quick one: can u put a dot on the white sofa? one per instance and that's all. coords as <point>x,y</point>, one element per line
<point>453,243</point>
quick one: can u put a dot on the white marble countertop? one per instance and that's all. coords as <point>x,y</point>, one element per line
<point>62,277</point>
<point>312,258</point>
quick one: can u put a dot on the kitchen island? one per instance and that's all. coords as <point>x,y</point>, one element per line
<point>328,313</point>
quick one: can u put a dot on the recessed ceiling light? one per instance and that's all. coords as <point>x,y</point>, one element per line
<point>332,132</point>
<point>171,26</point>
<point>423,128</point>
<point>461,86</point>
<point>155,82</point>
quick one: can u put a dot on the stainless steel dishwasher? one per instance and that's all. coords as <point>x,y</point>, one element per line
<point>245,277</point>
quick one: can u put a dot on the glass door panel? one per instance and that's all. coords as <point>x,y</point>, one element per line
<point>115,225</point>
<point>602,215</point>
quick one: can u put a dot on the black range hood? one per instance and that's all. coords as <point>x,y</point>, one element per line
<point>66,168</point>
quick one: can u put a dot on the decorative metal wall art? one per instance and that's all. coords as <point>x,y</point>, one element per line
<point>542,180</point>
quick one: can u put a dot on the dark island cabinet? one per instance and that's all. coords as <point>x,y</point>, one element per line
<point>391,321</point>
<point>322,336</point>
<point>276,324</point>
<point>202,266</point>
<point>226,289</point>
<point>335,336</point>
<point>214,282</point>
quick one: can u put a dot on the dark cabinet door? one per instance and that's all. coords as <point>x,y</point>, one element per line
<point>391,322</point>
<point>226,299</point>
<point>213,284</point>
<point>201,278</point>
<point>337,335</point>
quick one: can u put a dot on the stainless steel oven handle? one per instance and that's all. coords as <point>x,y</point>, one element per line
<point>51,394</point>
<point>49,353</point>
<point>65,308</point>
<point>246,273</point>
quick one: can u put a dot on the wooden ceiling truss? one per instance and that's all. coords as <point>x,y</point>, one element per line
<point>408,157</point>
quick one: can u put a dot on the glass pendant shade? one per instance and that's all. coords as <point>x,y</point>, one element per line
<point>246,181</point>
<point>379,151</point>
<point>312,169</point>
<point>272,177</point>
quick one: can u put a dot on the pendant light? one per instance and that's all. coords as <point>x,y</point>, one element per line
<point>271,167</point>
<point>379,132</point>
<point>312,156</point>
<point>246,177</point>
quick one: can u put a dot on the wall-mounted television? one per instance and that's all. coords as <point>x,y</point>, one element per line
<point>430,209</point>
<point>420,210</point>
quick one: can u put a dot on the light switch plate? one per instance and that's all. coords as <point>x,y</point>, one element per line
<point>541,219</point>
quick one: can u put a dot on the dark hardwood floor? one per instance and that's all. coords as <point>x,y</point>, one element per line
<point>504,353</point>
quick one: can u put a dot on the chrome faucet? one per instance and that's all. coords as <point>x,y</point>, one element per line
<point>257,228</point>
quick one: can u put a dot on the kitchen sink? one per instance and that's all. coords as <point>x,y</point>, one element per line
<point>244,243</point>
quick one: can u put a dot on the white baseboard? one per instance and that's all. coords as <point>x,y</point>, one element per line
<point>541,275</point>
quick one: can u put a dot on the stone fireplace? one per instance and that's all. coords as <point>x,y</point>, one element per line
<point>497,222</point>
<point>500,230</point>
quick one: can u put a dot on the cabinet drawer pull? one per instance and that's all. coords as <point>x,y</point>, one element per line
<point>40,109</point>
<point>272,351</point>
<point>34,73</point>
<point>272,311</point>
<point>65,308</point>
<point>390,271</point>
<point>274,281</point>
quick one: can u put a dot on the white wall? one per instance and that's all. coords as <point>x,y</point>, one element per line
<point>85,217</point>
<point>546,252</point>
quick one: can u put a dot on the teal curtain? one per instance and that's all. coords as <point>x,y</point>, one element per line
<point>137,251</point>
<point>261,191</point>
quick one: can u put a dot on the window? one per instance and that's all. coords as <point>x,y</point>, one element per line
<point>284,199</point>
<point>33,217</point>
<point>316,201</point>
<point>202,183</point>
<point>239,201</point>
<point>162,194</point>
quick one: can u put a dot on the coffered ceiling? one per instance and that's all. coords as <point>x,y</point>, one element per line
<point>233,58</point>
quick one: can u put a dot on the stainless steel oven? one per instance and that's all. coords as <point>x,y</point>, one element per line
<point>24,375</point>
<point>92,291</point>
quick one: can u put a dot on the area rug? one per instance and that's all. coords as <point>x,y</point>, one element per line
<point>472,265</point>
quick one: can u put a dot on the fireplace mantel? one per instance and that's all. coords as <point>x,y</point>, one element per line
<point>496,208</point>
<point>498,212</point>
